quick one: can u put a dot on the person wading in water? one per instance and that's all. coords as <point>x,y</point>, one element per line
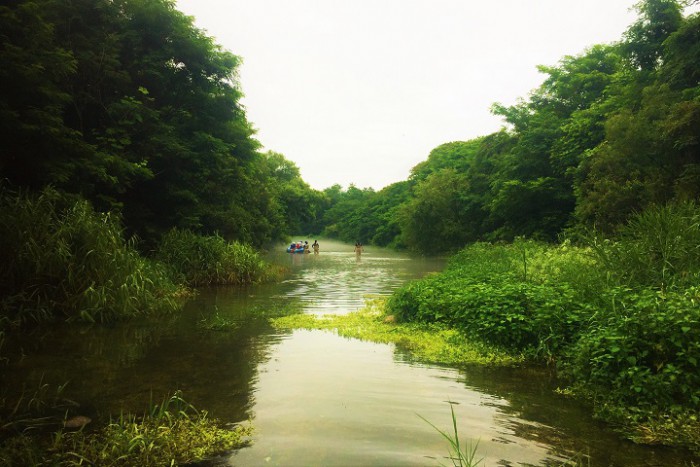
<point>358,248</point>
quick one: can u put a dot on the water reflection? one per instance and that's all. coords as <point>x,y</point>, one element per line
<point>316,398</point>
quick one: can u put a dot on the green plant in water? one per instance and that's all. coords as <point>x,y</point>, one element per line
<point>218,323</point>
<point>200,260</point>
<point>461,456</point>
<point>170,433</point>
<point>427,342</point>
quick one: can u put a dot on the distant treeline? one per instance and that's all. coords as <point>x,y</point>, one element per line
<point>609,133</point>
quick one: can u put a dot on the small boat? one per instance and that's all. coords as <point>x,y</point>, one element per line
<point>297,248</point>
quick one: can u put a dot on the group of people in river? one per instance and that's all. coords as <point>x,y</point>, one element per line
<point>303,247</point>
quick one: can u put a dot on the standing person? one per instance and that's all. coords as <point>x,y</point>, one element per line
<point>358,248</point>
<point>315,247</point>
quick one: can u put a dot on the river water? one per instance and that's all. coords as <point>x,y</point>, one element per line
<point>317,399</point>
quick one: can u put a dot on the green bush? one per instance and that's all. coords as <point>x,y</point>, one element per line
<point>61,259</point>
<point>511,314</point>
<point>644,353</point>
<point>199,260</point>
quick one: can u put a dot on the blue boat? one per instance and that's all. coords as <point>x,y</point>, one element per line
<point>297,247</point>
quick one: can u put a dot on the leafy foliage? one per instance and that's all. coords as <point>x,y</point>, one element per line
<point>128,104</point>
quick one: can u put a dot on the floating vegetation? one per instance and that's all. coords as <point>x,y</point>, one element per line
<point>216,322</point>
<point>428,342</point>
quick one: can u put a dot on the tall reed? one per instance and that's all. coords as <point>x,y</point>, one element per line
<point>199,260</point>
<point>659,247</point>
<point>62,260</point>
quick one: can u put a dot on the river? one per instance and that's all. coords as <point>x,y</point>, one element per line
<point>317,399</point>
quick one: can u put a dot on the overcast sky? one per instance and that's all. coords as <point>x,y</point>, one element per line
<point>360,91</point>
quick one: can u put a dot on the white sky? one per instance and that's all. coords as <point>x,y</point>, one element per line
<point>361,91</point>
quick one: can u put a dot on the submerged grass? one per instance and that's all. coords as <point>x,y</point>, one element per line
<point>171,433</point>
<point>428,342</point>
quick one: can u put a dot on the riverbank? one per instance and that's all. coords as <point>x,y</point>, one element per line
<point>617,319</point>
<point>67,265</point>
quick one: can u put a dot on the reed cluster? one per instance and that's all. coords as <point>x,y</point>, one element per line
<point>63,260</point>
<point>199,260</point>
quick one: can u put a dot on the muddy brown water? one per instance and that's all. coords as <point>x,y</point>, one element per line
<point>317,399</point>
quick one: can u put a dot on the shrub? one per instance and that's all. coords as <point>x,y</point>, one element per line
<point>644,353</point>
<point>659,247</point>
<point>511,314</point>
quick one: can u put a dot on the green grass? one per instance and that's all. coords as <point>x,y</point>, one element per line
<point>64,261</point>
<point>460,455</point>
<point>170,433</point>
<point>429,343</point>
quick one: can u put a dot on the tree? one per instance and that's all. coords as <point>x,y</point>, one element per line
<point>643,40</point>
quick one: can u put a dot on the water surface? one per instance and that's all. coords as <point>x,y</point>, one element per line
<point>317,399</point>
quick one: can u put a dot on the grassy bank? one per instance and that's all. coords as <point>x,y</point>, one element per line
<point>64,261</point>
<point>619,318</point>
<point>170,433</point>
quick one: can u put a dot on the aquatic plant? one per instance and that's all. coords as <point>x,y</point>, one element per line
<point>432,343</point>
<point>199,260</point>
<point>459,455</point>
<point>170,433</point>
<point>36,407</point>
<point>216,322</point>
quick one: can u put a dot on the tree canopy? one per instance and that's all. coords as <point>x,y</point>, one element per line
<point>128,104</point>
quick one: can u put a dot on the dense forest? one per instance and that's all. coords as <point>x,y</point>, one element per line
<point>130,106</point>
